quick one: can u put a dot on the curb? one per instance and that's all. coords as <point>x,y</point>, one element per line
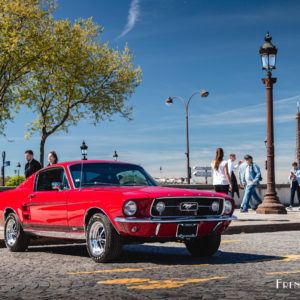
<point>262,228</point>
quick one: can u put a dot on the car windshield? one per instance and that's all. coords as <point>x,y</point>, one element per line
<point>99,174</point>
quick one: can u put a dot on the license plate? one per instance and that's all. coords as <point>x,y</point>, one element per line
<point>187,230</point>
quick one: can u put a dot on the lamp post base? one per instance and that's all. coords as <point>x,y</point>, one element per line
<point>271,205</point>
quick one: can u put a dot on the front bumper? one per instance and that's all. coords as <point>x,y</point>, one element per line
<point>168,227</point>
<point>171,220</point>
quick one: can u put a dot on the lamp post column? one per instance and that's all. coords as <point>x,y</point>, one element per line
<point>187,147</point>
<point>3,169</point>
<point>271,204</point>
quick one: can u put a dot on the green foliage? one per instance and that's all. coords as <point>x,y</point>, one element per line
<point>22,28</point>
<point>15,181</point>
<point>79,77</point>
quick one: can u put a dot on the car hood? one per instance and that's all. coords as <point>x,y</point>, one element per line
<point>155,191</point>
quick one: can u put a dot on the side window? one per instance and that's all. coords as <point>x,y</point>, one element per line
<point>66,184</point>
<point>47,177</point>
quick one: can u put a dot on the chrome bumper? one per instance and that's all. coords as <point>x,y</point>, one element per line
<point>176,221</point>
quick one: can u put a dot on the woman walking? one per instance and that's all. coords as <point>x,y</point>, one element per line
<point>221,178</point>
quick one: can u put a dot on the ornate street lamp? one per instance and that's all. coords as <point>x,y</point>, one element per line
<point>84,148</point>
<point>271,204</point>
<point>115,156</point>
<point>169,101</point>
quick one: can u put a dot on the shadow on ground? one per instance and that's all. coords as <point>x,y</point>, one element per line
<point>162,255</point>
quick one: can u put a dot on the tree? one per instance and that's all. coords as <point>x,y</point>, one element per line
<point>22,27</point>
<point>82,78</point>
<point>15,181</point>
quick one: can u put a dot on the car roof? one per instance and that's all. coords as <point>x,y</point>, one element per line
<point>68,163</point>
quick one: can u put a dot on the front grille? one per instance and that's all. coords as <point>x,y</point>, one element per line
<point>187,206</point>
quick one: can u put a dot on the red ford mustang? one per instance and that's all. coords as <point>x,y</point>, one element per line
<point>108,204</point>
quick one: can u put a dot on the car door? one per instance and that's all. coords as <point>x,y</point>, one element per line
<point>48,202</point>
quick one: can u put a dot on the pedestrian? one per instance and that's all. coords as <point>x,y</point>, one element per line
<point>221,178</point>
<point>52,158</point>
<point>32,165</point>
<point>250,179</point>
<point>242,170</point>
<point>294,185</point>
<point>231,168</point>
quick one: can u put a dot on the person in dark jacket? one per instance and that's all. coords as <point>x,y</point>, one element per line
<point>32,165</point>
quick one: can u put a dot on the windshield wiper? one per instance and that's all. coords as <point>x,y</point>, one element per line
<point>133,184</point>
<point>98,183</point>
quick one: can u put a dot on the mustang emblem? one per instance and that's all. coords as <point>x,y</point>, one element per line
<point>189,206</point>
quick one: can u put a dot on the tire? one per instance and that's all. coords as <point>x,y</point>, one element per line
<point>15,238</point>
<point>204,246</point>
<point>104,244</point>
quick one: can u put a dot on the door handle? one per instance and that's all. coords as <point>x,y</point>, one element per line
<point>32,196</point>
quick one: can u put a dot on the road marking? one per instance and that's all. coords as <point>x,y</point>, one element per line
<point>232,241</point>
<point>288,257</point>
<point>287,272</point>
<point>134,269</point>
<point>148,284</point>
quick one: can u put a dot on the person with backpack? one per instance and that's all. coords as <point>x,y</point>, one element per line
<point>251,178</point>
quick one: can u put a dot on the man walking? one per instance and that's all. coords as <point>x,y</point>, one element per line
<point>294,184</point>
<point>231,168</point>
<point>32,165</point>
<point>250,179</point>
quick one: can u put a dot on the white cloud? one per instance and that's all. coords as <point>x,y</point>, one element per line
<point>133,14</point>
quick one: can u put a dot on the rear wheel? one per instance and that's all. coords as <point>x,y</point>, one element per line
<point>204,246</point>
<point>103,242</point>
<point>15,238</point>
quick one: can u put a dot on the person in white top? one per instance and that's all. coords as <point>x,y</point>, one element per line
<point>231,167</point>
<point>221,178</point>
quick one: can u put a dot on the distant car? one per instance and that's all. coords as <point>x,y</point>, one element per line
<point>108,204</point>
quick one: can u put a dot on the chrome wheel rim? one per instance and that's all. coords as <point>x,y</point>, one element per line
<point>97,238</point>
<point>11,232</point>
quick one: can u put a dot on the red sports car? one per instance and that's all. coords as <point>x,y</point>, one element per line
<point>108,204</point>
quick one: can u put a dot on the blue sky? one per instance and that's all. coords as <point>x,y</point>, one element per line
<point>182,47</point>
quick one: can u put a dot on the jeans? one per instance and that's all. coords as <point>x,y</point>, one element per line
<point>250,192</point>
<point>295,187</point>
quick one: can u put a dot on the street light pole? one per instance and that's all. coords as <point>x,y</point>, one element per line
<point>18,166</point>
<point>204,94</point>
<point>271,203</point>
<point>2,168</point>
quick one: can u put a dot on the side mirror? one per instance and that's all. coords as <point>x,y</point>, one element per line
<point>57,186</point>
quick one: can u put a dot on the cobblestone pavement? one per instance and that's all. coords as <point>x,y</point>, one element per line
<point>248,266</point>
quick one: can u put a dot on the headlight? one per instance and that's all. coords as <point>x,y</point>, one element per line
<point>160,207</point>
<point>227,207</point>
<point>215,206</point>
<point>129,208</point>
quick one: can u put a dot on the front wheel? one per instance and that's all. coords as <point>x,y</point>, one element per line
<point>204,246</point>
<point>103,242</point>
<point>15,238</point>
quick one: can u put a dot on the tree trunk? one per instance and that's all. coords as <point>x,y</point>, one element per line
<point>42,149</point>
